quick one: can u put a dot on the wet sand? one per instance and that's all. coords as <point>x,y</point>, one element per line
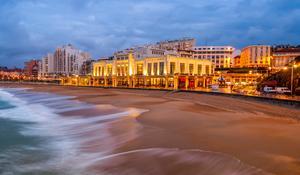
<point>260,135</point>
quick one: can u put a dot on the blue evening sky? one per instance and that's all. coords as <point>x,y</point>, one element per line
<point>32,28</point>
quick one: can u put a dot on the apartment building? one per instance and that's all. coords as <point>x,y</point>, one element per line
<point>220,56</point>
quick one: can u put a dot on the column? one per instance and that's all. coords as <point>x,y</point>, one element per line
<point>145,81</point>
<point>105,81</point>
<point>133,82</point>
<point>77,81</point>
<point>175,82</point>
<point>196,82</point>
<point>167,82</point>
<point>186,82</point>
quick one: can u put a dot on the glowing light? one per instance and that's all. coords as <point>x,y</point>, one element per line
<point>285,68</point>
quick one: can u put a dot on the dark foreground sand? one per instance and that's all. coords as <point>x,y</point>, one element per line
<point>261,135</point>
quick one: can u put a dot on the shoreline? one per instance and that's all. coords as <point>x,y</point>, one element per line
<point>259,134</point>
<point>293,103</point>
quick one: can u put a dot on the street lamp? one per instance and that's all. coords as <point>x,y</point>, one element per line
<point>292,75</point>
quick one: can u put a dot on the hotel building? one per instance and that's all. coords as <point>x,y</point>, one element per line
<point>220,56</point>
<point>68,60</point>
<point>256,56</point>
<point>284,55</point>
<point>166,71</point>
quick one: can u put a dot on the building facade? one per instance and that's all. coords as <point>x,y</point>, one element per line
<point>31,68</point>
<point>220,56</point>
<point>282,56</point>
<point>176,45</point>
<point>47,66</point>
<point>162,72</point>
<point>256,56</point>
<point>68,60</point>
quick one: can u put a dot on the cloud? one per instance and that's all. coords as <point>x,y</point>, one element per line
<point>32,28</point>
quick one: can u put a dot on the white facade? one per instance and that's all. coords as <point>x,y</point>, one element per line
<point>220,56</point>
<point>46,66</point>
<point>142,52</point>
<point>68,60</point>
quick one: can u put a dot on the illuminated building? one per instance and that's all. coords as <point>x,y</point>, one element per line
<point>11,74</point>
<point>281,56</point>
<point>256,56</point>
<point>166,71</point>
<point>237,61</point>
<point>220,56</point>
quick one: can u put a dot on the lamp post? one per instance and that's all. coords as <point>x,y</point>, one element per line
<point>292,77</point>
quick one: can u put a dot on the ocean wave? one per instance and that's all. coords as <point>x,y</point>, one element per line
<point>70,141</point>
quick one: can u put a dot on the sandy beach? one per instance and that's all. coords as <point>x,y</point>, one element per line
<point>175,129</point>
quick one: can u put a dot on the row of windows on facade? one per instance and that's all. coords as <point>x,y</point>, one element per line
<point>221,62</point>
<point>211,56</point>
<point>122,70</point>
<point>214,52</point>
<point>213,48</point>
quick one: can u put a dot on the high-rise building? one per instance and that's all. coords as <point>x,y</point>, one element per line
<point>68,60</point>
<point>220,56</point>
<point>256,56</point>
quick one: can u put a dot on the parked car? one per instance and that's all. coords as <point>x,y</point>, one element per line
<point>282,90</point>
<point>269,90</point>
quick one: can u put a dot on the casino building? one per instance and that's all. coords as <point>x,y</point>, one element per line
<point>155,71</point>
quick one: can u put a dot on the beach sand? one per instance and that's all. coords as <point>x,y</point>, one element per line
<point>260,135</point>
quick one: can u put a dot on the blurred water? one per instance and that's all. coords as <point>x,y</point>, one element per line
<point>36,139</point>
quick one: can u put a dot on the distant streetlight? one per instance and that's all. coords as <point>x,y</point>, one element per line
<point>269,70</point>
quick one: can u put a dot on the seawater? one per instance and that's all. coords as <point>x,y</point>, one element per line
<point>36,139</point>
<point>19,153</point>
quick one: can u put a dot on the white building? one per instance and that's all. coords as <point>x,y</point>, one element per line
<point>220,56</point>
<point>142,52</point>
<point>68,60</point>
<point>47,66</point>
